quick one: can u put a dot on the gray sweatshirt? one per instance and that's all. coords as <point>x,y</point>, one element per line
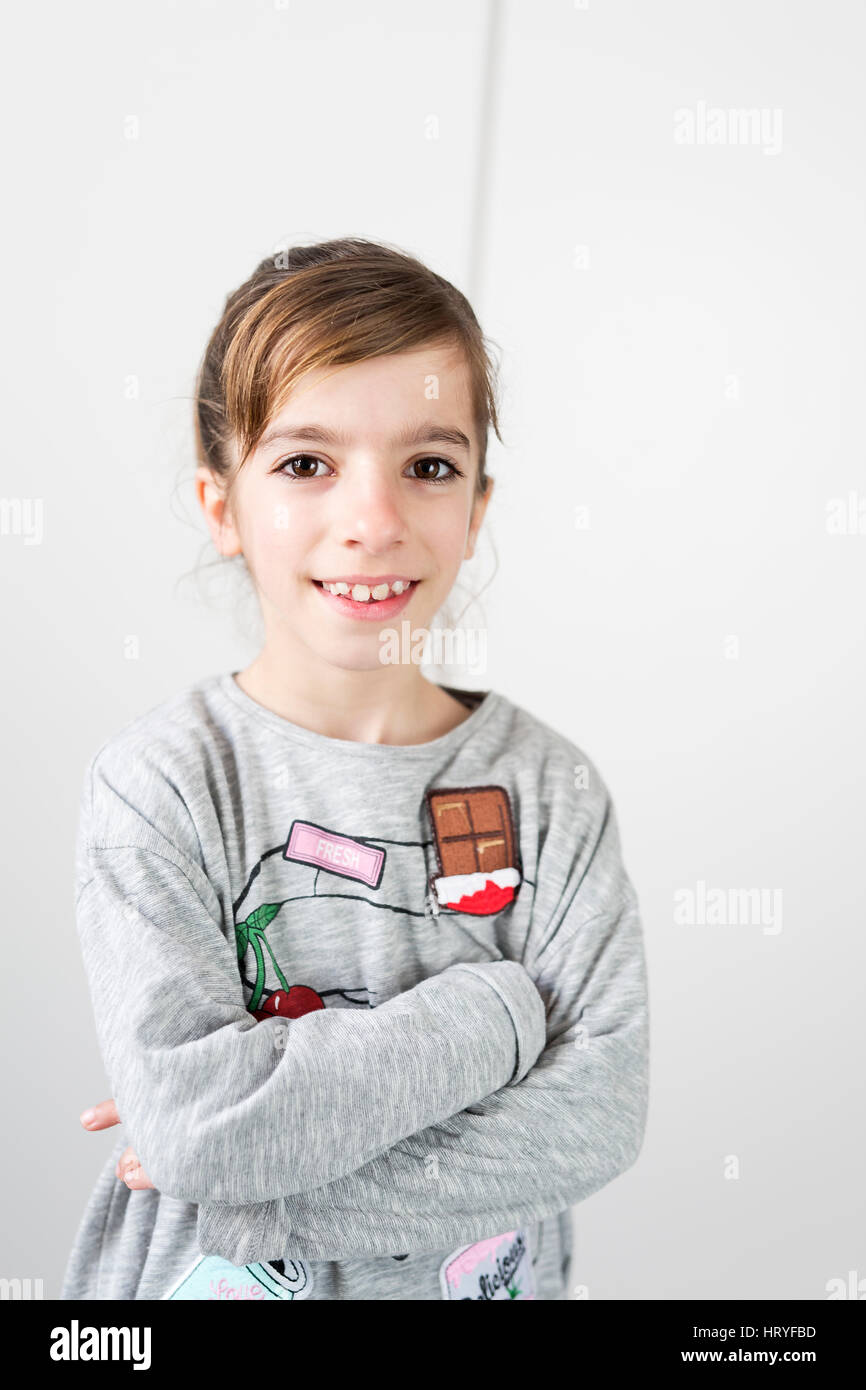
<point>374,1016</point>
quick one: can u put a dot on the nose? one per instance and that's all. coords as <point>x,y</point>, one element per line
<point>370,509</point>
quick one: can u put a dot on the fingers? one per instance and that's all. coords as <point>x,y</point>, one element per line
<point>136,1178</point>
<point>101,1116</point>
<point>127,1169</point>
<point>130,1171</point>
<point>127,1161</point>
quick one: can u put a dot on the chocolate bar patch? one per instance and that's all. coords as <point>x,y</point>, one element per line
<point>339,854</point>
<point>479,866</point>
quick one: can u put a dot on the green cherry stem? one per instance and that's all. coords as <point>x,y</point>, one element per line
<point>280,976</point>
<point>260,973</point>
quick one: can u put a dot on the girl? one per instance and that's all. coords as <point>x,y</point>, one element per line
<point>367,969</point>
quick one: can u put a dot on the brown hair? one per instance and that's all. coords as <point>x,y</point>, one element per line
<point>327,304</point>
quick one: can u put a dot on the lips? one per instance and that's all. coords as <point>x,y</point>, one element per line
<point>371,580</point>
<point>366,609</point>
<point>403,586</point>
<point>398,586</point>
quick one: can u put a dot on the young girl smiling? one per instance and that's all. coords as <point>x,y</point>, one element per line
<point>366,966</point>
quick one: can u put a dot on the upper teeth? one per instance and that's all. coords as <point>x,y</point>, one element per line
<point>362,592</point>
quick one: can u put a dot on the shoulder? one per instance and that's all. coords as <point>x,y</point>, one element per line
<point>147,784</point>
<point>568,822</point>
<point>566,777</point>
<point>178,725</point>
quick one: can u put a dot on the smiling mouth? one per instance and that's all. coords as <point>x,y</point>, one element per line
<point>366,593</point>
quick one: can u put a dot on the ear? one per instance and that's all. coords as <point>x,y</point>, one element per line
<point>217,514</point>
<point>478,509</point>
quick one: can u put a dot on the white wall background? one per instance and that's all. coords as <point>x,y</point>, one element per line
<point>681,328</point>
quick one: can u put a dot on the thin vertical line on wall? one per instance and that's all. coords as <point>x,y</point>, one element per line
<point>485,144</point>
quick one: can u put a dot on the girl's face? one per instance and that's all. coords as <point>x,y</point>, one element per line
<point>367,476</point>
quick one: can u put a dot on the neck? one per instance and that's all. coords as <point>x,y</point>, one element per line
<point>392,704</point>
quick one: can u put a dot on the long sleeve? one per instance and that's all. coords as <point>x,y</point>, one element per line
<point>531,1150</point>
<point>220,1107</point>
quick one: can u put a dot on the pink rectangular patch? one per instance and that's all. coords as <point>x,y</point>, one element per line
<point>497,1268</point>
<point>339,854</point>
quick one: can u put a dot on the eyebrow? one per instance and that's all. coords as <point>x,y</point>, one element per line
<point>317,434</point>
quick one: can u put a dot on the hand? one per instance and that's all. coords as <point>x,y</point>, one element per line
<point>128,1169</point>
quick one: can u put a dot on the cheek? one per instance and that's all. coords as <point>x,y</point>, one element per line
<point>445,525</point>
<point>446,539</point>
<point>277,534</point>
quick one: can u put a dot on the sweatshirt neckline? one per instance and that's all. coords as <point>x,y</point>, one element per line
<point>383,752</point>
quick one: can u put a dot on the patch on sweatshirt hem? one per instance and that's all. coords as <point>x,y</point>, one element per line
<point>211,1277</point>
<point>497,1268</point>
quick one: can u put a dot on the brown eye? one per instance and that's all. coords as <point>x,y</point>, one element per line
<point>289,468</point>
<point>432,463</point>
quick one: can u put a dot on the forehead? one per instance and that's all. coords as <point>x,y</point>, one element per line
<point>398,398</point>
<point>431,370</point>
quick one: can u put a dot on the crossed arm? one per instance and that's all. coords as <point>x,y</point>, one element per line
<point>494,1151</point>
<point>524,1153</point>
